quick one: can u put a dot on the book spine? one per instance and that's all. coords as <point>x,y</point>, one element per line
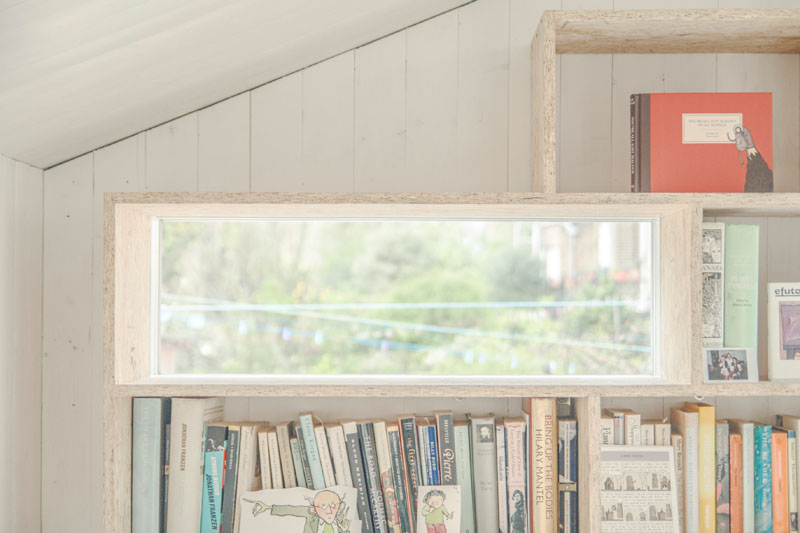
<point>324,456</point>
<point>166,418</point>
<point>567,451</point>
<point>408,434</point>
<point>299,473</point>
<point>484,469</point>
<point>662,434</point>
<point>706,472</point>
<point>735,455</point>
<point>146,465</point>
<point>304,464</point>
<point>648,434</point>
<point>780,489</point>
<point>263,460</point>
<point>685,424</point>
<point>464,466</point>
<point>447,449</point>
<point>791,453</point>
<point>633,429</point>
<point>502,482</point>
<point>723,478</point>
<point>635,143</point>
<point>544,489</point>
<point>568,511</point>
<point>357,472</point>
<point>741,286</point>
<point>274,459</point>
<point>713,284</point>
<point>213,471</point>
<point>677,447</point>
<point>246,479</point>
<point>516,474</point>
<point>643,135</point>
<point>762,477</point>
<point>229,490</point>
<point>386,475</point>
<point>366,436</point>
<point>748,478</point>
<point>287,461</point>
<point>619,427</point>
<point>606,430</point>
<point>312,452</point>
<point>398,474</point>
<point>433,456</point>
<point>338,449</point>
<point>425,459</point>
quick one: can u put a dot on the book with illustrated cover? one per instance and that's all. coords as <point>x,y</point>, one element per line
<point>713,283</point>
<point>701,142</point>
<point>783,329</point>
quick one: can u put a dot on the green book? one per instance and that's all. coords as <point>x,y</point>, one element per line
<point>741,286</point>
<point>464,476</point>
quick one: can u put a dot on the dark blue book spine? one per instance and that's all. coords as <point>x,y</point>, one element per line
<point>229,490</point>
<point>359,481</point>
<point>408,434</point>
<point>366,434</point>
<point>395,450</point>
<point>296,431</point>
<point>567,512</point>
<point>433,454</point>
<point>166,414</point>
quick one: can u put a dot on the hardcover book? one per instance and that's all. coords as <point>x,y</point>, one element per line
<point>484,469</point>
<point>701,142</point>
<point>542,460</point>
<point>685,423</point>
<point>741,286</point>
<point>516,472</point>
<point>706,464</point>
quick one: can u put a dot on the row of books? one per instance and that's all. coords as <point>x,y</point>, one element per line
<point>733,476</point>
<point>515,475</point>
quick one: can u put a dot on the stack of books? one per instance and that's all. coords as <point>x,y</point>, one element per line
<point>732,475</point>
<point>515,474</point>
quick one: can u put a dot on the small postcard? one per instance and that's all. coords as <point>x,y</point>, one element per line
<point>727,365</point>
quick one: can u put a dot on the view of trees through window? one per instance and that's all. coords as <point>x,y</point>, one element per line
<point>405,296</point>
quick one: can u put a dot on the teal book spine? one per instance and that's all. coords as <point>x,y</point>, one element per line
<point>762,478</point>
<point>740,323</point>
<point>213,476</point>
<point>146,459</point>
<point>312,452</point>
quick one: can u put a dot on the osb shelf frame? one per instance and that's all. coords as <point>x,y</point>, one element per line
<point>690,31</point>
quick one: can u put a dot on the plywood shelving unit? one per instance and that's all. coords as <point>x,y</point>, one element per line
<point>127,370</point>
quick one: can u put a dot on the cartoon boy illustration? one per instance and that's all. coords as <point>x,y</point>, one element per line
<point>326,513</point>
<point>435,512</point>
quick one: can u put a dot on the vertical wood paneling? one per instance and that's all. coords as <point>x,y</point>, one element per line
<point>380,116</point>
<point>780,75</point>
<point>172,156</point>
<point>6,320</point>
<point>67,366</point>
<point>276,142</point>
<point>523,19</point>
<point>26,353</point>
<point>431,104</point>
<point>328,126</point>
<point>482,97</point>
<point>224,146</point>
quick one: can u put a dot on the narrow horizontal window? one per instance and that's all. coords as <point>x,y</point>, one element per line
<point>378,296</point>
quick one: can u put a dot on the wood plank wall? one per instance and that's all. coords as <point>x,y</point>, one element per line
<point>441,106</point>
<point>20,343</point>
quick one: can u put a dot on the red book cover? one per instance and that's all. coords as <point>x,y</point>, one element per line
<point>701,142</point>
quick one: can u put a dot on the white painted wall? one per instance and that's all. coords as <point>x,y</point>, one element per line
<point>441,106</point>
<point>20,343</point>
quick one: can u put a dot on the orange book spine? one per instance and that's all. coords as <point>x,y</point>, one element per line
<point>780,488</point>
<point>735,458</point>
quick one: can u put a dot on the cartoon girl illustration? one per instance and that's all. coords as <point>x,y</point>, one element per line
<point>435,512</point>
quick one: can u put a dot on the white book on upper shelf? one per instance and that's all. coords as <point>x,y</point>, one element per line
<point>783,329</point>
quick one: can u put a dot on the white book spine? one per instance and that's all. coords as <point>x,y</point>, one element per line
<point>324,456</point>
<point>791,447</point>
<point>606,431</point>
<point>691,471</point>
<point>274,459</point>
<point>648,435</point>
<point>246,479</point>
<point>146,463</point>
<point>677,446</point>
<point>263,460</point>
<point>619,428</point>
<point>484,470</point>
<point>748,482</point>
<point>464,467</point>
<point>662,432</point>
<point>502,487</point>
<point>338,451</point>
<point>424,446</point>
<point>633,425</point>
<point>287,462</point>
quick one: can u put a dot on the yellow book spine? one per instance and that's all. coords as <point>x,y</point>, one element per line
<point>706,465</point>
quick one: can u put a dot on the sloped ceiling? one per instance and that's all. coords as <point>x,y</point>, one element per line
<point>79,74</point>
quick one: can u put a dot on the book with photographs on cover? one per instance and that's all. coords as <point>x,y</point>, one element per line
<point>638,490</point>
<point>783,326</point>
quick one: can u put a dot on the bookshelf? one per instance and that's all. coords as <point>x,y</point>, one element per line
<point>127,369</point>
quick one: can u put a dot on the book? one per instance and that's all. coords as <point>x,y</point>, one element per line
<point>633,426</point>
<point>274,459</point>
<point>447,448</point>
<point>386,474</point>
<point>567,450</point>
<point>484,471</point>
<point>792,423</point>
<point>366,437</point>
<point>618,416</point>
<point>648,433</point>
<point>338,451</point>
<point>516,474</point>
<point>247,476</point>
<point>740,326</point>
<point>713,283</point>
<point>783,330</point>
<point>663,432</point>
<point>187,434</point>
<point>542,459</point>
<point>762,478</point>
<point>606,430</point>
<point>398,475</point>
<point>355,458</point>
<point>296,430</point>
<point>780,475</point>
<point>167,409</point>
<point>147,464</point>
<point>287,461</point>
<point>408,435</point>
<point>567,509</point>
<point>297,458</point>
<point>735,455</point>
<point>746,430</point>
<point>432,449</point>
<point>685,423</point>
<point>706,464</point>
<point>464,466</point>
<point>723,480</point>
<point>676,440</point>
<point>502,484</point>
<point>229,490</point>
<point>701,142</point>
<point>264,466</point>
<point>213,473</point>
<point>324,455</point>
<point>424,458</point>
<point>308,440</point>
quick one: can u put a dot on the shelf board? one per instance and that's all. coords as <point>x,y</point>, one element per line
<point>764,388</point>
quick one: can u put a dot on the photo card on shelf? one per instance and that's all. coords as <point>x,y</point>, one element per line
<point>728,365</point>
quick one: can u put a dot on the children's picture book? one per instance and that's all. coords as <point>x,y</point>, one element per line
<point>300,510</point>
<point>783,325</point>
<point>439,509</point>
<point>701,142</point>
